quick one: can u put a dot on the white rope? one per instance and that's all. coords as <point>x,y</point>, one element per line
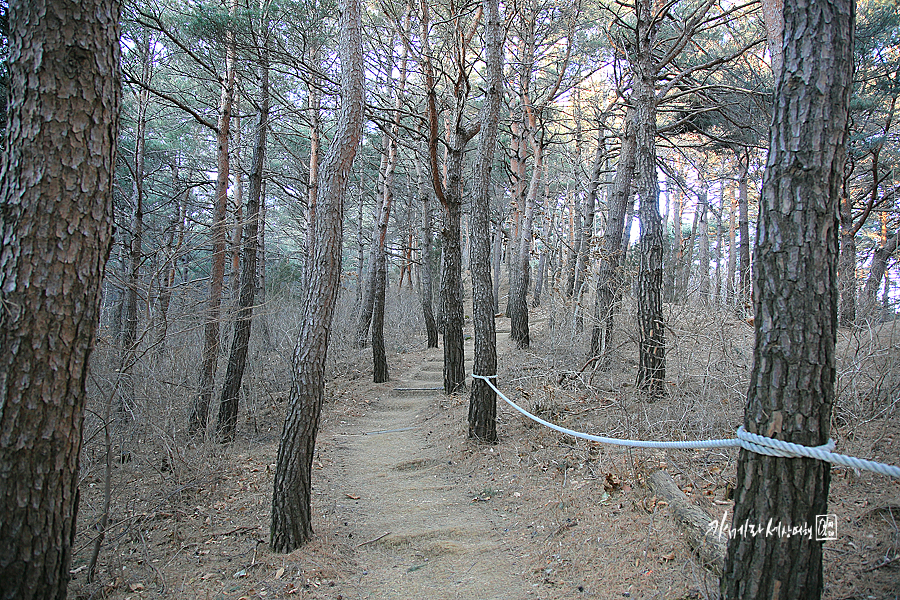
<point>746,440</point>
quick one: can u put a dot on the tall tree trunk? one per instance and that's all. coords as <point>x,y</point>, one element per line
<point>608,277</point>
<point>126,395</point>
<point>367,308</point>
<point>291,511</point>
<point>703,250</point>
<point>56,223</point>
<point>795,300</point>
<point>431,329</point>
<point>651,376</point>
<point>518,306</point>
<point>237,359</point>
<point>587,235</point>
<point>238,201</point>
<point>199,416</point>
<point>379,356</point>
<point>174,243</point>
<point>720,236</point>
<point>744,229</point>
<point>483,400</point>
<point>732,255</point>
<point>498,251</point>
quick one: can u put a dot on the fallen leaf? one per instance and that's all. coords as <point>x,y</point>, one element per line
<point>279,572</point>
<point>239,574</point>
<point>352,497</point>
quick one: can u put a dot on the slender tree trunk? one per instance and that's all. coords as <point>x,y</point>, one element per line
<point>126,395</point>
<point>174,243</point>
<point>199,416</point>
<point>237,359</point>
<point>431,329</point>
<point>703,238</point>
<point>744,227</point>
<point>581,280</point>
<point>732,255</point>
<point>56,223</point>
<point>608,277</point>
<point>291,510</point>
<point>483,400</point>
<point>238,201</point>
<point>498,251</point>
<point>720,236</point>
<point>518,305</point>
<point>847,265</point>
<point>795,300</point>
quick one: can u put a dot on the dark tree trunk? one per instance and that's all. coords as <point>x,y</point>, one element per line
<point>608,278</point>
<point>291,511</point>
<point>498,250</point>
<point>518,304</point>
<point>199,416</point>
<point>174,243</point>
<point>237,359</point>
<point>539,282</point>
<point>651,376</point>
<point>451,283</point>
<point>56,222</point>
<point>431,328</point>
<point>483,400</point>
<point>795,301</point>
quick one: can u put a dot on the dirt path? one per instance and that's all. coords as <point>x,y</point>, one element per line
<point>431,540</point>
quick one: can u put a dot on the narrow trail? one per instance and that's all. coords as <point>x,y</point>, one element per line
<point>420,533</point>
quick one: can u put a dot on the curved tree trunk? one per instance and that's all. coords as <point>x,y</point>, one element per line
<point>795,283</point>
<point>483,400</point>
<point>56,223</point>
<point>237,359</point>
<point>291,515</point>
<point>608,276</point>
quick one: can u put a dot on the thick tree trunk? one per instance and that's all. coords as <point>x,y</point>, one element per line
<point>237,359</point>
<point>199,416</point>
<point>56,222</point>
<point>451,282</point>
<point>795,300</point>
<point>651,376</point>
<point>483,400</point>
<point>608,277</point>
<point>291,514</point>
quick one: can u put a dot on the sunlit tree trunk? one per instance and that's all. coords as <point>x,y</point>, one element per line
<point>792,383</point>
<point>56,223</point>
<point>210,355</point>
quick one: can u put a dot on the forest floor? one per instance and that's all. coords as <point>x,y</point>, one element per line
<point>406,507</point>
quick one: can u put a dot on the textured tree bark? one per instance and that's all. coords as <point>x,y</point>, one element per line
<point>651,328</point>
<point>291,515</point>
<point>518,305</point>
<point>498,251</point>
<point>483,400</point>
<point>199,416</point>
<point>795,300</point>
<point>876,273</point>
<point>56,222</point>
<point>608,275</point>
<point>237,359</point>
<point>847,266</point>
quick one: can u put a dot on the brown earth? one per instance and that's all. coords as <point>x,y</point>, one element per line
<point>406,507</point>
